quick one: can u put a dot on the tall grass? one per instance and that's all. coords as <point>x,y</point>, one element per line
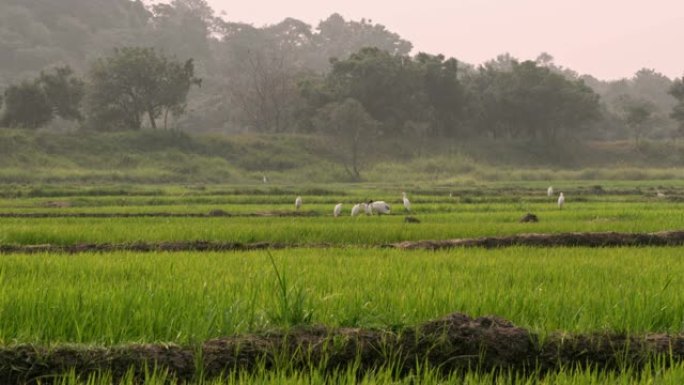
<point>162,157</point>
<point>188,297</point>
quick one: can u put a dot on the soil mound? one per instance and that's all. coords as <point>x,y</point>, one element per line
<point>529,217</point>
<point>606,239</point>
<point>666,238</point>
<point>145,247</point>
<point>212,213</point>
<point>455,342</point>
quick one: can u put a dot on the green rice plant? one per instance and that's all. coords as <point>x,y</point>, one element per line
<point>121,297</point>
<point>439,221</point>
<point>291,302</point>
<point>656,374</point>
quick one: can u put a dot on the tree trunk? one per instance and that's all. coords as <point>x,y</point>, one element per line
<point>151,116</point>
<point>355,158</point>
<point>166,117</point>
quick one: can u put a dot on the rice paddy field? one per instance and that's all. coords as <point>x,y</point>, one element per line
<point>336,273</point>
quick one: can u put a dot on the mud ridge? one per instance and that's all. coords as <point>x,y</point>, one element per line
<point>148,247</point>
<point>454,343</point>
<point>610,239</point>
<point>603,239</point>
<point>211,214</point>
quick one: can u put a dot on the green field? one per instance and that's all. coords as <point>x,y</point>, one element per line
<point>470,211</point>
<point>190,297</point>
<point>117,298</point>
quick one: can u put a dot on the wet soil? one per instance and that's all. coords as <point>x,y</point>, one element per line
<point>603,239</point>
<point>210,214</point>
<point>199,246</point>
<point>454,343</point>
<point>608,239</point>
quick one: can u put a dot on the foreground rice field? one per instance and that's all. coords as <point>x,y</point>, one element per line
<point>114,298</point>
<point>189,297</point>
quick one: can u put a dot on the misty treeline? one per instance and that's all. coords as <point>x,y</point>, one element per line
<point>125,65</point>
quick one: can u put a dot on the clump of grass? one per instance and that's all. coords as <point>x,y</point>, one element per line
<point>291,304</point>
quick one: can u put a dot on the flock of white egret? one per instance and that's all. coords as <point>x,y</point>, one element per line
<point>369,208</point>
<point>381,207</point>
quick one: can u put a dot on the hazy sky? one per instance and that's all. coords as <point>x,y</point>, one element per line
<point>606,38</point>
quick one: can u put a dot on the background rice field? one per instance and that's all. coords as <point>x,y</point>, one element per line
<point>187,297</point>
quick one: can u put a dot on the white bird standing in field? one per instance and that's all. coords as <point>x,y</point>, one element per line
<point>356,209</point>
<point>549,191</point>
<point>379,207</point>
<point>659,194</point>
<point>407,203</point>
<point>298,203</point>
<point>561,201</point>
<point>337,210</point>
<point>265,179</point>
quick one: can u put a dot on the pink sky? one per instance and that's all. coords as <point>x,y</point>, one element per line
<point>606,38</point>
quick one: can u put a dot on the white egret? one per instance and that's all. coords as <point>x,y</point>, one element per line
<point>659,194</point>
<point>265,179</point>
<point>407,203</point>
<point>549,191</point>
<point>379,207</point>
<point>337,210</point>
<point>356,209</point>
<point>561,201</point>
<point>298,203</point>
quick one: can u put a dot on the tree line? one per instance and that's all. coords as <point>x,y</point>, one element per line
<point>120,65</point>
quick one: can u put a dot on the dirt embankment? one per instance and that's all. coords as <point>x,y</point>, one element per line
<point>665,238</point>
<point>605,239</point>
<point>453,343</point>
<point>210,214</point>
<point>200,246</point>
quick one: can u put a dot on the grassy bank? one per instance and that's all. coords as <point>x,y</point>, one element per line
<point>163,157</point>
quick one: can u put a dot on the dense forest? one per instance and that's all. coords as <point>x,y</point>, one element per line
<point>122,65</point>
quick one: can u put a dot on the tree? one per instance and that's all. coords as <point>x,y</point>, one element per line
<point>338,38</point>
<point>183,27</point>
<point>444,92</point>
<point>637,114</point>
<point>389,87</point>
<point>64,92</point>
<point>39,34</point>
<point>261,72</point>
<point>646,85</point>
<point>351,131</point>
<point>529,101</point>
<point>677,91</point>
<point>33,104</point>
<point>26,106</point>
<point>136,83</point>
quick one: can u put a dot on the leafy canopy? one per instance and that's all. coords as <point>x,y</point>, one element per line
<point>136,83</point>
